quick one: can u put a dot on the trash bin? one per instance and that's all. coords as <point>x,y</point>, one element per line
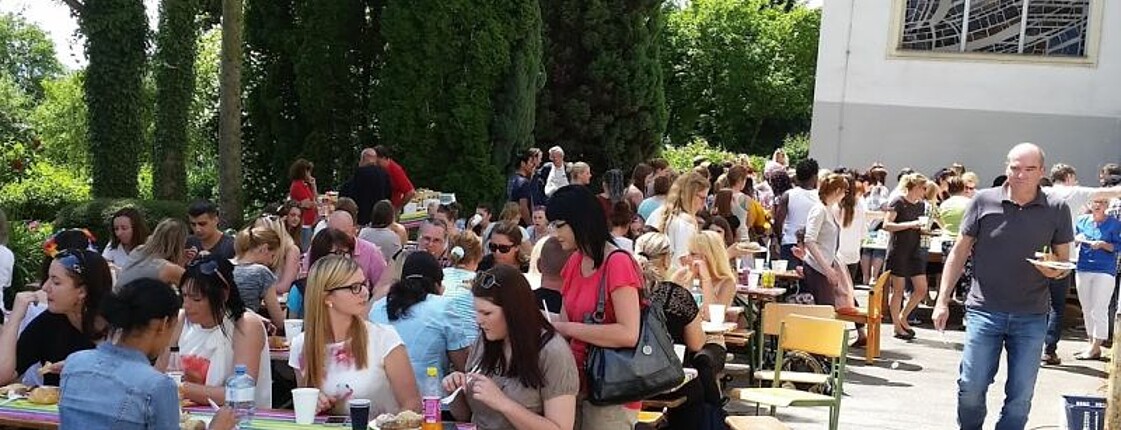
<point>1085,412</point>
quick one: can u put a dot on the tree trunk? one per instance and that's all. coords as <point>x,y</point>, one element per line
<point>1113,409</point>
<point>175,83</point>
<point>229,114</point>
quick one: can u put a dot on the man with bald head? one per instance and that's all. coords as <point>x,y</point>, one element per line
<point>1008,302</point>
<point>368,185</point>
<point>365,253</point>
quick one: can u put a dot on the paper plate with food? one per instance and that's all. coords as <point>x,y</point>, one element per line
<point>1050,264</point>
<point>406,420</point>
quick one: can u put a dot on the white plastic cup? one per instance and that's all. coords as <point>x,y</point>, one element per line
<point>778,265</point>
<point>304,401</point>
<point>716,314</point>
<point>760,263</point>
<point>753,279</point>
<point>292,328</point>
<point>680,351</point>
<point>925,221</point>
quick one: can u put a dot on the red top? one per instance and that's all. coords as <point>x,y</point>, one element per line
<point>300,191</point>
<point>580,295</point>
<point>399,183</point>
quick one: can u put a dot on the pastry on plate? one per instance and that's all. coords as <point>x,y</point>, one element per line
<point>44,395</point>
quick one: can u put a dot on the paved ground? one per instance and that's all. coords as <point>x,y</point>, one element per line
<point>914,386</point>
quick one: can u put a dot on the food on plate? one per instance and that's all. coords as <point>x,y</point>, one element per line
<point>16,389</point>
<point>406,420</point>
<point>44,395</point>
<point>188,423</point>
<point>277,342</point>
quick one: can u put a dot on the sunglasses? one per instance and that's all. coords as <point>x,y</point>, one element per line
<point>486,280</point>
<point>494,247</point>
<point>72,260</point>
<point>209,268</point>
<point>356,288</point>
<point>557,224</point>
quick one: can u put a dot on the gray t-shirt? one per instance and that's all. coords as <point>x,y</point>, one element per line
<point>387,241</point>
<point>1006,236</point>
<point>253,280</point>
<point>224,249</point>
<point>140,268</point>
<point>558,369</point>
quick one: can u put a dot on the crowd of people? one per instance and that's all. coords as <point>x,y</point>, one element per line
<point>502,306</point>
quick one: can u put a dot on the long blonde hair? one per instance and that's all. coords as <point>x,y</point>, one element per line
<point>680,197</point>
<point>711,245</point>
<point>329,272</point>
<point>168,241</point>
<point>252,237</point>
<point>286,242</point>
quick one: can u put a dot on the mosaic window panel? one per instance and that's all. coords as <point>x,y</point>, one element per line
<point>1050,27</point>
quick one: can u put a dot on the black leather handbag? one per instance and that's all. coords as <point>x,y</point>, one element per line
<point>622,375</point>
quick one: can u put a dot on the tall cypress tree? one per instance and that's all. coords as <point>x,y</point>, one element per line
<point>116,38</point>
<point>604,99</point>
<point>175,82</point>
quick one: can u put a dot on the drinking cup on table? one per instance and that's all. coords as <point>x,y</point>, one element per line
<point>359,413</point>
<point>304,401</point>
<point>778,266</point>
<point>716,314</point>
<point>753,279</point>
<point>760,263</point>
<point>924,221</point>
<point>679,349</point>
<point>292,328</point>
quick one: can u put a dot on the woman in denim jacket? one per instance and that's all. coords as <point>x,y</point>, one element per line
<point>115,385</point>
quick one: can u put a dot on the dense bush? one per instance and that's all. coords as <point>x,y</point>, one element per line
<point>95,214</point>
<point>797,147</point>
<point>45,191</point>
<point>26,242</point>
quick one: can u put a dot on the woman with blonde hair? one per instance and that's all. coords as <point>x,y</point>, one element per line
<point>161,257</point>
<point>256,249</point>
<point>677,217</point>
<point>904,258</point>
<point>465,254</point>
<point>286,262</point>
<point>344,355</point>
<point>708,264</point>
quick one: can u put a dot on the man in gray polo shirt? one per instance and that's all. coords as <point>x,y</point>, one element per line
<point>1009,300</point>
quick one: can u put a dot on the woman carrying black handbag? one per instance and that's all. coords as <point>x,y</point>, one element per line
<point>581,226</point>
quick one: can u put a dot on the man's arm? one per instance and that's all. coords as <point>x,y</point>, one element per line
<point>951,272</point>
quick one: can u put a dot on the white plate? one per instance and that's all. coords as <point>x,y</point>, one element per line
<point>710,327</point>
<point>1057,265</point>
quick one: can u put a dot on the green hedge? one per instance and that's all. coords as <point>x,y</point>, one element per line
<point>26,243</point>
<point>45,191</point>
<point>95,214</point>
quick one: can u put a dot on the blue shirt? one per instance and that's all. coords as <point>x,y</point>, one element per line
<point>457,289</point>
<point>1098,260</point>
<point>429,329</point>
<point>296,302</point>
<point>114,387</point>
<point>650,205</point>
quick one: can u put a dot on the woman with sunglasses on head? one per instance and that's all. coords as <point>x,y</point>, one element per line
<point>505,247</point>
<point>343,354</point>
<point>534,388</point>
<point>216,332</point>
<point>581,227</point>
<point>76,281</point>
<point>434,335</point>
<point>129,232</point>
<point>161,257</point>
<point>286,260</point>
<point>256,249</point>
<point>115,386</point>
<point>326,242</point>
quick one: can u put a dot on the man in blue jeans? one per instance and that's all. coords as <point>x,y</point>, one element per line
<point>1008,302</point>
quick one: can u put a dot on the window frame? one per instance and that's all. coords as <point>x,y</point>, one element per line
<point>1093,44</point>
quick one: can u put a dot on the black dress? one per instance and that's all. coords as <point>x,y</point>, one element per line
<point>703,393</point>
<point>905,256</point>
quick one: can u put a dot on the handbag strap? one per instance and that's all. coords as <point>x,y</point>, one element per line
<point>601,299</point>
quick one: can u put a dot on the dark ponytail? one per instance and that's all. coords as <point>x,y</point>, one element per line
<point>420,276</point>
<point>134,305</point>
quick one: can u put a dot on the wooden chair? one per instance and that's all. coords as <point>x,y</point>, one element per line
<point>773,315</point>
<point>755,423</point>
<point>872,317</point>
<point>823,337</point>
<point>649,420</point>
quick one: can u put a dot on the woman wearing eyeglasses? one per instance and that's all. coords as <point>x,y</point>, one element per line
<point>534,388</point>
<point>214,333</point>
<point>344,355</point>
<point>581,227</point>
<point>434,335</point>
<point>327,242</point>
<point>162,256</point>
<point>76,282</point>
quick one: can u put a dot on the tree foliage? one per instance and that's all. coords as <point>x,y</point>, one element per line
<point>60,122</point>
<point>174,66</point>
<point>116,38</point>
<point>604,100</point>
<point>27,54</point>
<point>457,90</point>
<point>740,73</point>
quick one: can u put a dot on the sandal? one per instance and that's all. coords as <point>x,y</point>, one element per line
<point>905,336</point>
<point>1084,356</point>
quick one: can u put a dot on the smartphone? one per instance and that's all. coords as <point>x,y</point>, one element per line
<point>336,420</point>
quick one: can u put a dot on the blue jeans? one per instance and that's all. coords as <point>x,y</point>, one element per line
<point>986,335</point>
<point>1059,289</point>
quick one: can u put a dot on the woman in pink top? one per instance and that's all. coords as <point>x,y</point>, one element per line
<point>581,227</point>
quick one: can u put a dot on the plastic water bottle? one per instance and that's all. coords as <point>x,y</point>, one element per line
<point>240,392</point>
<point>431,401</point>
<point>175,366</point>
<point>698,294</point>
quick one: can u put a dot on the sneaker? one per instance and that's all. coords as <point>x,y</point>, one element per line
<point>1051,359</point>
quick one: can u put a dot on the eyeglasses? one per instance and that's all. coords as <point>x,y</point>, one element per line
<point>557,224</point>
<point>486,280</point>
<point>209,268</point>
<point>72,260</point>
<point>494,247</point>
<point>342,252</point>
<point>356,288</point>
<point>269,217</point>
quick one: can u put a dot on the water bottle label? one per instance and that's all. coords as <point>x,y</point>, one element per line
<point>431,409</point>
<point>239,395</point>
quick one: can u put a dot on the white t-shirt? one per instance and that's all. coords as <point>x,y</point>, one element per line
<point>7,264</point>
<point>799,201</point>
<point>368,383</point>
<point>211,351</point>
<point>624,243</point>
<point>116,255</point>
<point>680,232</point>
<point>853,235</point>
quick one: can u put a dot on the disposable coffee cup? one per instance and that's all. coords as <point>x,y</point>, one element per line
<point>778,265</point>
<point>292,328</point>
<point>760,263</point>
<point>304,401</point>
<point>753,279</point>
<point>716,314</point>
<point>680,351</point>
<point>359,413</point>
